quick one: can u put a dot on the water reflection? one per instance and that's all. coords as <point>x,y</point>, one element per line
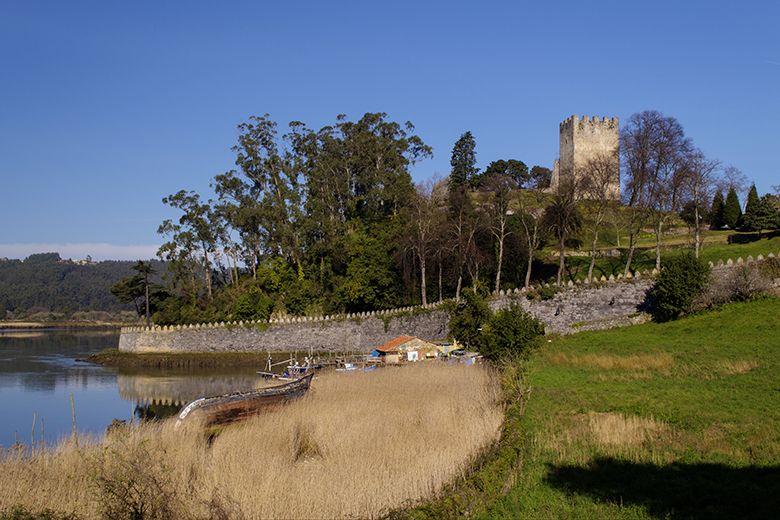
<point>40,371</point>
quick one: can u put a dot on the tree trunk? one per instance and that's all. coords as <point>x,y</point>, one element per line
<point>423,288</point>
<point>561,259</point>
<point>696,229</point>
<point>528,269</point>
<point>592,256</point>
<point>631,247</point>
<point>148,314</point>
<point>207,269</point>
<point>658,230</point>
<point>457,289</point>
<point>440,293</point>
<point>500,261</point>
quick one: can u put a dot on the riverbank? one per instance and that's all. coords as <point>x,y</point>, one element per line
<point>358,445</point>
<point>653,421</point>
<point>59,325</point>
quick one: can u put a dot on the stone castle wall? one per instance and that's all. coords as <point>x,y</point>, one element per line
<point>583,139</point>
<point>606,303</point>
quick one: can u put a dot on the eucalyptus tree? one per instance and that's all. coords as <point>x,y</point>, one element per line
<point>196,232</point>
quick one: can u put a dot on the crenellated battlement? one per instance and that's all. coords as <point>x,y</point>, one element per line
<point>585,120</point>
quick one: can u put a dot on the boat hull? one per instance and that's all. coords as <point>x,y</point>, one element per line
<point>229,408</point>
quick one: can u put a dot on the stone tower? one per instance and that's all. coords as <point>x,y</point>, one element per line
<point>582,139</point>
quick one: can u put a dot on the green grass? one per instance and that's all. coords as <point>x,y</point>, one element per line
<point>692,421</point>
<point>644,259</point>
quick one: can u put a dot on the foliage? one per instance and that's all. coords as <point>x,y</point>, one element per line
<point>761,214</point>
<point>732,212</point>
<point>510,332</point>
<point>463,161</point>
<point>716,211</point>
<point>540,177</point>
<point>46,282</point>
<point>466,322</point>
<point>512,169</point>
<point>370,282</point>
<point>682,279</point>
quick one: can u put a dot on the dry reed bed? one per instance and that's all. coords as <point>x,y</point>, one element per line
<point>357,445</point>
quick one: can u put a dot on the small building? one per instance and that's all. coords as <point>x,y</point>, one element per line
<point>406,348</point>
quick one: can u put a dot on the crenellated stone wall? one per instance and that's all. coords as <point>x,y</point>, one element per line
<point>604,303</point>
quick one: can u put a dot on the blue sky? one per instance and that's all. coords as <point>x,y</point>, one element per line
<point>105,107</point>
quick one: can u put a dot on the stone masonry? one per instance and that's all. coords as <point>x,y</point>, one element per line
<point>583,139</point>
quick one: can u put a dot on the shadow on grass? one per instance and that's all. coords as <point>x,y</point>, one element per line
<point>692,491</point>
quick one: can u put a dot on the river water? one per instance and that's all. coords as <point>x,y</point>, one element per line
<point>41,369</point>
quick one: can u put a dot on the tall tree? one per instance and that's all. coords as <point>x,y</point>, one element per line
<point>463,161</point>
<point>762,214</point>
<point>698,182</point>
<point>198,226</point>
<point>531,210</point>
<point>598,175</point>
<point>716,210</point>
<point>563,220</point>
<point>653,147</point>
<point>513,169</point>
<point>499,189</point>
<point>752,203</point>
<point>463,215</point>
<point>732,212</point>
<point>426,212</point>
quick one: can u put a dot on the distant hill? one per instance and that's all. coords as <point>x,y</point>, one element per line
<point>47,283</point>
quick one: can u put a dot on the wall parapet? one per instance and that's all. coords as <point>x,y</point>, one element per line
<point>606,299</point>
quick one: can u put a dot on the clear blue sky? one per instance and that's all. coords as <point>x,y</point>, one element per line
<point>105,107</point>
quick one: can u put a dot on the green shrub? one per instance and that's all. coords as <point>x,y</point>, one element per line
<point>680,282</point>
<point>466,321</point>
<point>510,332</point>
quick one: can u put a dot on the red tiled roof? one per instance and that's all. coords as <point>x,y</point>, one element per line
<point>393,344</point>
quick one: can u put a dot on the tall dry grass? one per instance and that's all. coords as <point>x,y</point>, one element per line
<point>357,445</point>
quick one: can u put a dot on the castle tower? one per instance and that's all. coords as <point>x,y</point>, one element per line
<point>581,140</point>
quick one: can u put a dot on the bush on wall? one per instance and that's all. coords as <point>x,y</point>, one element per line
<point>681,281</point>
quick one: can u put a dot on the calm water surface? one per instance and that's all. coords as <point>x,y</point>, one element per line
<point>40,370</point>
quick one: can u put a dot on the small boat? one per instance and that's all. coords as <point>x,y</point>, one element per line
<point>348,367</point>
<point>228,408</point>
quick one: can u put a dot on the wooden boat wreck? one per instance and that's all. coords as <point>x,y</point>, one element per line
<point>229,408</point>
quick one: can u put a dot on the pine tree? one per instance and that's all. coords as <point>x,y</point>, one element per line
<point>751,207</point>
<point>732,213</point>
<point>463,161</point>
<point>716,211</point>
<point>761,215</point>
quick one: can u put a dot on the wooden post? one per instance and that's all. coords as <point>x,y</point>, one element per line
<point>73,418</point>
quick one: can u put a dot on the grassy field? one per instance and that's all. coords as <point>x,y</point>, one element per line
<point>714,250</point>
<point>357,445</point>
<point>677,420</point>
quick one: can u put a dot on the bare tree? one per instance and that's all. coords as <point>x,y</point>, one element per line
<point>733,177</point>
<point>531,209</point>
<point>426,214</point>
<point>598,175</point>
<point>499,188</point>
<point>699,183</point>
<point>653,147</point>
